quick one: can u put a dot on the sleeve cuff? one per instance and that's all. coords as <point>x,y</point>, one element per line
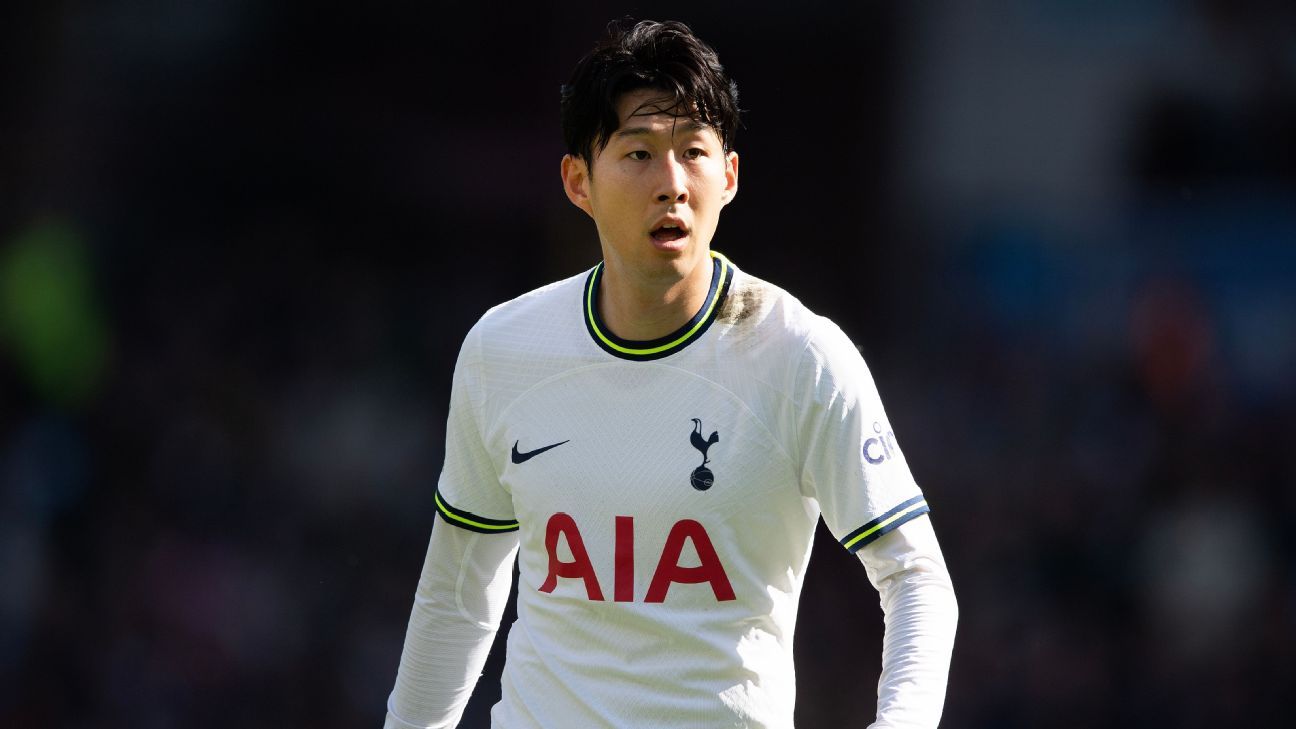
<point>869,533</point>
<point>470,521</point>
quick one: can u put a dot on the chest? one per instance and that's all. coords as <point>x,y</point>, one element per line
<point>651,442</point>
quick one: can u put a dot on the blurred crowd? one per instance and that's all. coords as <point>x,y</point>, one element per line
<point>240,245</point>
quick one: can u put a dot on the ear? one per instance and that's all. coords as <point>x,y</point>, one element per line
<point>731,178</point>
<point>576,180</point>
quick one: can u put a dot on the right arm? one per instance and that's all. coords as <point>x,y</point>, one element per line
<point>461,596</point>
<point>466,574</point>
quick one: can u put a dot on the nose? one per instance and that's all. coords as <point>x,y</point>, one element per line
<point>672,184</point>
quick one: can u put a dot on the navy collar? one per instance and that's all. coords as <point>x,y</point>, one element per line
<point>721,277</point>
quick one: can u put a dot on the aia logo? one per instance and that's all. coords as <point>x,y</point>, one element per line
<point>702,478</point>
<point>669,571</point>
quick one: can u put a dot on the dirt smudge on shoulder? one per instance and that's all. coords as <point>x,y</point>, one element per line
<point>741,303</point>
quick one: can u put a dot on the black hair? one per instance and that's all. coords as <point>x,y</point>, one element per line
<point>651,55</point>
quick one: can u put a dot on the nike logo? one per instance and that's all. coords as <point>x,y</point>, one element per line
<point>519,457</point>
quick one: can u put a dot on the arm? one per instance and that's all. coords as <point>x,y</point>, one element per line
<point>920,613</point>
<point>461,596</point>
<point>466,575</point>
<point>854,466</point>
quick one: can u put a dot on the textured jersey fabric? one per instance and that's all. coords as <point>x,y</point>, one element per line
<point>465,584</point>
<point>665,496</point>
<point>462,592</point>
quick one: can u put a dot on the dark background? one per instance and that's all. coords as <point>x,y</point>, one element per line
<point>241,241</point>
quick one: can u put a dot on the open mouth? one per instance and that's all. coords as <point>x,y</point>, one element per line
<point>668,232</point>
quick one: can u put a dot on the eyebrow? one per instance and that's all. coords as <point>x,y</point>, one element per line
<point>684,126</point>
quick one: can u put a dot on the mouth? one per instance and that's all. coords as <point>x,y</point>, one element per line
<point>668,232</point>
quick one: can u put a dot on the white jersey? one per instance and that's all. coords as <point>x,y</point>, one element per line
<point>666,495</point>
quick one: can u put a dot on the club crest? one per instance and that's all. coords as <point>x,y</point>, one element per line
<point>702,478</point>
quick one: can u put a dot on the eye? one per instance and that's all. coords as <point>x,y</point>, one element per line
<point>639,155</point>
<point>694,153</point>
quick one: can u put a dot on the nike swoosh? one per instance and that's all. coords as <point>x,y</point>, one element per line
<point>523,457</point>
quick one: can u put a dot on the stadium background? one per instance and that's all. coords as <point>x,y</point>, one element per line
<point>240,243</point>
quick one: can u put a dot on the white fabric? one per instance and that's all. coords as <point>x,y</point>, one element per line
<point>446,648</point>
<point>920,613</point>
<point>667,603</point>
<point>461,595</point>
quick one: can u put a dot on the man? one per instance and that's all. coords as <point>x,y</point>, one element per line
<point>655,440</point>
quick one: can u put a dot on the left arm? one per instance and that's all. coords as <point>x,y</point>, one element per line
<point>852,464</point>
<point>920,613</point>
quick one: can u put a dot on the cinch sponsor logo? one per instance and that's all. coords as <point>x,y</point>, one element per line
<point>669,570</point>
<point>879,449</point>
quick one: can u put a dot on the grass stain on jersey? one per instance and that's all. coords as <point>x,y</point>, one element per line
<point>740,304</point>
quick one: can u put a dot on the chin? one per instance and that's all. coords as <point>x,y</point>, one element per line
<point>668,267</point>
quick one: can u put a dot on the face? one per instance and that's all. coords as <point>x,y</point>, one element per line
<point>656,190</point>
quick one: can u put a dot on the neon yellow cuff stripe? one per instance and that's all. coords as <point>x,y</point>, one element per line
<point>448,514</point>
<point>885,523</point>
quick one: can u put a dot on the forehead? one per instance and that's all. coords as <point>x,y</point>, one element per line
<point>653,111</point>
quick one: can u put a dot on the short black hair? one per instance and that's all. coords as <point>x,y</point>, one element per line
<point>651,55</point>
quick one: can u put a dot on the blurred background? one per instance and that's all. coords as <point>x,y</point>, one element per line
<point>240,243</point>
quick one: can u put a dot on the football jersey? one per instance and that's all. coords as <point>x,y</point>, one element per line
<point>666,494</point>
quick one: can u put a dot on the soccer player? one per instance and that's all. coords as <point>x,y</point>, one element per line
<point>655,440</point>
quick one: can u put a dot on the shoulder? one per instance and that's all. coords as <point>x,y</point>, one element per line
<point>546,302</point>
<point>774,319</point>
<point>532,322</point>
<point>523,341</point>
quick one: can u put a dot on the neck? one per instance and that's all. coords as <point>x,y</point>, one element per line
<point>642,307</point>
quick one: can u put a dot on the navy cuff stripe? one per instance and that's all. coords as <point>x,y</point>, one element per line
<point>870,532</point>
<point>470,521</point>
